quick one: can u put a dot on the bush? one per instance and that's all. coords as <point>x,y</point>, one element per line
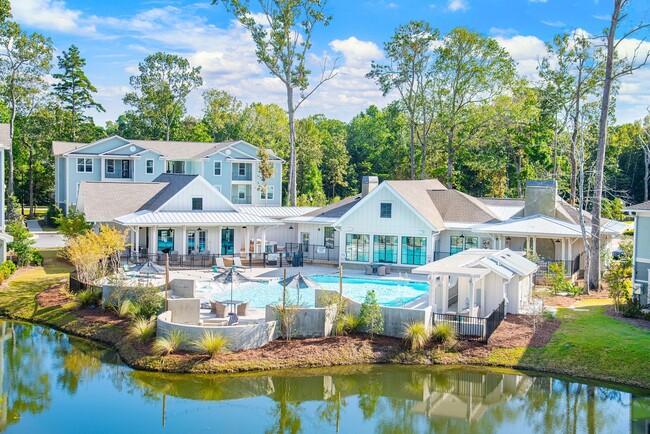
<point>345,324</point>
<point>211,343</point>
<point>443,333</point>
<point>90,297</point>
<point>370,315</point>
<point>143,329</point>
<point>14,212</point>
<point>556,274</point>
<point>22,243</point>
<point>74,224</point>
<point>169,344</point>
<point>416,335</point>
<point>126,309</point>
<point>53,213</point>
<point>7,268</point>
<point>144,297</point>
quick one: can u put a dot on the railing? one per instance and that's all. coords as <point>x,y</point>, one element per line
<point>76,285</point>
<point>246,200</point>
<point>202,261</point>
<point>314,252</point>
<point>247,177</point>
<point>571,267</point>
<point>473,328</point>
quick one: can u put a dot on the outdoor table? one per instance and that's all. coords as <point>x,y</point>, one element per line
<point>232,303</point>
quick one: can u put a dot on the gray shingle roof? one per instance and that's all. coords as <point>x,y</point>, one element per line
<point>104,201</point>
<point>643,206</point>
<point>336,209</point>
<point>455,206</point>
<point>416,193</point>
<point>5,139</point>
<point>174,183</point>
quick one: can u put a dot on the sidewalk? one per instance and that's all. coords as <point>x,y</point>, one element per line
<point>44,240</point>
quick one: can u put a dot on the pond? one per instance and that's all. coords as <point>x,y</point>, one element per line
<point>53,383</point>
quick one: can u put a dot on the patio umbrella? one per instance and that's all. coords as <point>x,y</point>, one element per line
<point>298,281</point>
<point>148,268</point>
<point>230,276</point>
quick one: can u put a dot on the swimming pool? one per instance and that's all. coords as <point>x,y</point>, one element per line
<point>389,292</point>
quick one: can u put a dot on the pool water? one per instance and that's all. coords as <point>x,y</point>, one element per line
<point>393,293</point>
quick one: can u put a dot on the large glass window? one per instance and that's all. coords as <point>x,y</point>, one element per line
<point>384,249</point>
<point>110,166</point>
<point>85,165</point>
<point>471,243</point>
<point>456,244</point>
<point>329,237</point>
<point>269,193</point>
<point>386,210</point>
<point>166,240</point>
<point>414,250</point>
<point>357,247</point>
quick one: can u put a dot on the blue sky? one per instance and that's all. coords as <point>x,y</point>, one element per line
<point>114,36</point>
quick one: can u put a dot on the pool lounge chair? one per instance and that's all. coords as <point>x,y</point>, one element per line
<point>237,262</point>
<point>219,263</point>
<point>242,309</point>
<point>233,319</point>
<point>272,259</point>
<point>218,309</point>
<point>369,270</point>
<point>381,270</point>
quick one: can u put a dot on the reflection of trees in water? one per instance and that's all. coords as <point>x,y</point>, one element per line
<point>286,414</point>
<point>78,361</point>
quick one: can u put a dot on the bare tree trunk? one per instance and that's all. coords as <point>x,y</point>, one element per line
<point>450,159</point>
<point>574,138</point>
<point>10,152</point>
<point>412,150</point>
<point>594,269</point>
<point>31,182</point>
<point>424,148</point>
<point>292,145</point>
<point>554,150</point>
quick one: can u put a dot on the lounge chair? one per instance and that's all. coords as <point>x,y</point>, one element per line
<point>219,263</point>
<point>271,259</point>
<point>237,262</point>
<point>242,309</point>
<point>387,269</point>
<point>381,270</point>
<point>218,309</point>
<point>368,270</point>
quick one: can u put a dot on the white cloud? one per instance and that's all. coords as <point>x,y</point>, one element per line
<point>497,31</point>
<point>51,15</point>
<point>553,23</point>
<point>527,51</point>
<point>457,5</point>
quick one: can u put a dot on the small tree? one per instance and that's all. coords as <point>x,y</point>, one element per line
<point>22,243</point>
<point>94,255</point>
<point>619,280</point>
<point>556,274</point>
<point>13,209</point>
<point>266,171</point>
<point>371,316</point>
<point>74,224</point>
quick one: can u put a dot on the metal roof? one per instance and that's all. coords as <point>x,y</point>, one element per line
<point>504,262</point>
<point>183,218</point>
<point>277,211</point>
<point>504,209</point>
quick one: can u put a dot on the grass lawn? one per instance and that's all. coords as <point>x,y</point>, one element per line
<point>589,343</point>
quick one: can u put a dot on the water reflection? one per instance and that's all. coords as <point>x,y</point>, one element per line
<point>54,383</point>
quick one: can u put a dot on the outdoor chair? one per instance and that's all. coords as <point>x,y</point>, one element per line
<point>242,309</point>
<point>218,309</point>
<point>387,269</point>
<point>368,270</point>
<point>272,259</point>
<point>219,263</point>
<point>381,270</point>
<point>237,262</point>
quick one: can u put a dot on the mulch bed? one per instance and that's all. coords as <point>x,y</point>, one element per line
<point>568,301</point>
<point>634,321</point>
<point>515,331</point>
<point>53,296</point>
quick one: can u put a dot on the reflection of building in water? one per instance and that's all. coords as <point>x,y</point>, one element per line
<point>468,395</point>
<point>640,415</point>
<point>5,335</point>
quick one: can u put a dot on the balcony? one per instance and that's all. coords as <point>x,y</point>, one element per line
<point>238,199</point>
<point>242,172</point>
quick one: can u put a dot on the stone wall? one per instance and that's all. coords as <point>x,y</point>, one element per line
<point>246,335</point>
<point>310,322</point>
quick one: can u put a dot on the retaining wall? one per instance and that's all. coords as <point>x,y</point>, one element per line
<point>183,288</point>
<point>310,322</point>
<point>240,337</point>
<point>184,310</point>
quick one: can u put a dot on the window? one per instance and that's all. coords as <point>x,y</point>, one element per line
<point>384,249</point>
<point>414,250</point>
<point>192,241</point>
<point>456,244</point>
<point>268,194</point>
<point>242,169</point>
<point>84,165</point>
<point>471,243</point>
<point>110,166</point>
<point>217,168</point>
<point>197,203</point>
<point>242,194</point>
<point>176,167</point>
<point>385,210</point>
<point>357,247</point>
<point>329,237</point>
<point>149,167</point>
<point>166,240</point>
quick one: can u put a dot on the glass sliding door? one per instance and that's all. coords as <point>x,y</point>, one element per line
<point>195,242</point>
<point>166,240</point>
<point>384,249</point>
<point>414,250</point>
<point>357,247</point>
<point>227,241</point>
<point>456,244</point>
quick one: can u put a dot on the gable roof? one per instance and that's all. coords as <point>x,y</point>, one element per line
<point>504,262</point>
<point>643,206</point>
<point>104,201</point>
<point>174,183</point>
<point>504,208</point>
<point>455,206</point>
<point>327,214</point>
<point>416,193</point>
<point>5,138</point>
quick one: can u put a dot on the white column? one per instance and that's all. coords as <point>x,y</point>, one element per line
<point>248,240</point>
<point>137,239</point>
<point>218,248</point>
<point>102,168</point>
<point>432,291</point>
<point>184,240</point>
<point>472,295</point>
<point>341,245</point>
<point>445,294</point>
<point>263,239</point>
<point>535,245</point>
<point>153,240</point>
<point>570,243</point>
<point>563,245</point>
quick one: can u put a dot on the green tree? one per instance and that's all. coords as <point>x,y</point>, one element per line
<point>190,129</point>
<point>74,224</point>
<point>160,91</point>
<point>74,89</point>
<point>25,60</point>
<point>22,243</point>
<point>223,114</point>
<point>408,71</point>
<point>266,169</point>
<point>370,315</point>
<point>282,40</point>
<point>470,69</point>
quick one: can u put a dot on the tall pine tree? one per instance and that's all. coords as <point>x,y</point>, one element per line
<point>74,89</point>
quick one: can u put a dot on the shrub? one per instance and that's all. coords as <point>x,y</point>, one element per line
<point>211,343</point>
<point>143,329</point>
<point>168,344</point>
<point>556,274</point>
<point>619,280</point>
<point>345,324</point>
<point>145,297</point>
<point>74,224</point>
<point>443,333</point>
<point>90,297</point>
<point>370,315</point>
<point>126,309</point>
<point>416,335</point>
<point>632,308</point>
<point>13,210</point>
<point>22,243</point>
<point>52,214</point>
<point>7,268</point>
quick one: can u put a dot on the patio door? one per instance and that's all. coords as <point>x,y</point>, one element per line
<point>195,242</point>
<point>125,169</point>
<point>227,241</point>
<point>304,239</point>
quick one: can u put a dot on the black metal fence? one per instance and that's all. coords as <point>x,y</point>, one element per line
<point>201,261</point>
<point>76,285</point>
<point>473,328</point>
<point>571,267</point>
<point>313,252</point>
